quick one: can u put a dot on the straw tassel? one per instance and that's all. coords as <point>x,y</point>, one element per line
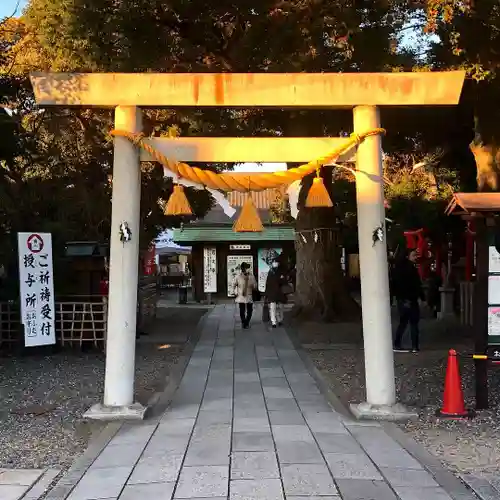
<point>318,195</point>
<point>178,203</point>
<point>249,220</point>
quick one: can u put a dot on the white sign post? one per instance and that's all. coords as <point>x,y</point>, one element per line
<point>36,286</point>
<point>209,269</point>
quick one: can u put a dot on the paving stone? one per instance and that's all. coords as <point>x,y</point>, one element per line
<point>133,434</point>
<point>299,452</point>
<point>274,372</point>
<point>19,477</point>
<point>327,422</point>
<point>252,441</point>
<point>269,363</point>
<point>247,377</point>
<point>248,390</point>
<point>313,408</point>
<point>223,404</point>
<point>175,426</point>
<point>251,424</point>
<point>409,477</point>
<point>302,479</point>
<point>12,491</point>
<point>278,392</point>
<point>152,491</point>
<point>280,404</point>
<point>259,412</point>
<point>184,411</point>
<point>166,445</point>
<point>208,452</point>
<point>215,417</point>
<point>415,493</point>
<point>254,465</point>
<point>361,489</point>
<point>337,443</point>
<point>286,418</point>
<point>289,433</point>
<point>213,393</point>
<point>329,497</point>
<point>392,458</point>
<point>119,455</point>
<point>263,489</point>
<point>305,387</point>
<point>101,483</point>
<point>356,466</point>
<point>155,470</point>
<point>246,400</point>
<point>207,481</point>
<point>275,382</point>
<point>211,431</point>
<point>302,376</point>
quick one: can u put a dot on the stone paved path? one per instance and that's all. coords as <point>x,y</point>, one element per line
<point>26,484</point>
<point>248,422</point>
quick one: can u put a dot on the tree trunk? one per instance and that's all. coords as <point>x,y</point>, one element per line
<point>487,159</point>
<point>321,288</point>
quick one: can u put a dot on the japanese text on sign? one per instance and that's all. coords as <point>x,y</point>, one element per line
<point>36,288</point>
<point>209,270</point>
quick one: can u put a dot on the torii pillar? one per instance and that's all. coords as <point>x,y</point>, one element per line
<point>361,92</point>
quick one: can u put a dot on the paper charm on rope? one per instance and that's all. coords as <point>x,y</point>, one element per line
<point>378,234</point>
<point>218,196</point>
<point>293,197</point>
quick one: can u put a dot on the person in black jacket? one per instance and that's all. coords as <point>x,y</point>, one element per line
<point>276,280</point>
<point>407,290</point>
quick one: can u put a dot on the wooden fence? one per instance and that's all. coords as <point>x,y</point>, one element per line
<point>79,320</point>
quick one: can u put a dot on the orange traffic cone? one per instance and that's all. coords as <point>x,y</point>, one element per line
<point>453,399</point>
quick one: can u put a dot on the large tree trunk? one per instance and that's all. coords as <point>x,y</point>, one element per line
<point>321,288</point>
<point>487,158</point>
<point>486,143</point>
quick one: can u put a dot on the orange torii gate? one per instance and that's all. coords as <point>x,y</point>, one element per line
<point>362,93</point>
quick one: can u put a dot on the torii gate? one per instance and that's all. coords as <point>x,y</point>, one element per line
<point>363,93</point>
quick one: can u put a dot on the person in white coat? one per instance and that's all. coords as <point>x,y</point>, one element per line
<point>244,285</point>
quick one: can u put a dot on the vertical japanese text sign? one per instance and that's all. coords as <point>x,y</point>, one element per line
<point>209,269</point>
<point>36,286</point>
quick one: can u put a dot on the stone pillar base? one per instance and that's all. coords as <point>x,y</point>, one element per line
<point>396,412</point>
<point>101,412</point>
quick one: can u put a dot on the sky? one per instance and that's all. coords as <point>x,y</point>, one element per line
<point>8,7</point>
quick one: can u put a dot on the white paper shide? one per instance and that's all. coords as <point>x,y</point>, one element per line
<point>36,285</point>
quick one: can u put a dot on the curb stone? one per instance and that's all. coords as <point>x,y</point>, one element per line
<point>42,485</point>
<point>481,487</point>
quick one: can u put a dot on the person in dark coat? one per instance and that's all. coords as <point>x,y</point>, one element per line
<point>275,281</point>
<point>407,288</point>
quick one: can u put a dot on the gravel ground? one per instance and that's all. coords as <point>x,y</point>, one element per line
<point>465,447</point>
<point>42,398</point>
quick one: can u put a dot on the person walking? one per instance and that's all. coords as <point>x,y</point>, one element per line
<point>244,285</point>
<point>275,296</point>
<point>408,291</point>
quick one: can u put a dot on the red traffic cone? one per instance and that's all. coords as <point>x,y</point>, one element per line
<point>453,399</point>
